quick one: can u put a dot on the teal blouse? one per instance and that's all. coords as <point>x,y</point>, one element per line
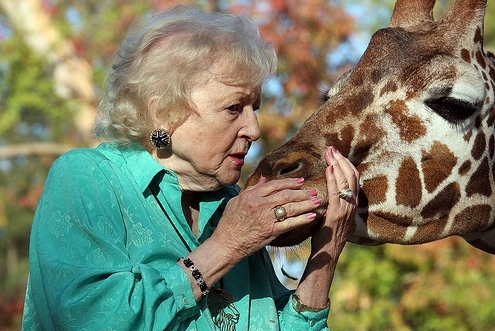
<point>103,255</point>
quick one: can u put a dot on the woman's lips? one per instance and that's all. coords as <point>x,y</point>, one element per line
<point>238,158</point>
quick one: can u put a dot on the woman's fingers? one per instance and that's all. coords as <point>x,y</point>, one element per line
<point>343,175</point>
<point>286,193</point>
<point>349,171</point>
<point>265,188</point>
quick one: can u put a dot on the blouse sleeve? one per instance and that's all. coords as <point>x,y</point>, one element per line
<point>81,275</point>
<point>310,321</point>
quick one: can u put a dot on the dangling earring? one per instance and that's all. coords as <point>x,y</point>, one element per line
<point>160,138</point>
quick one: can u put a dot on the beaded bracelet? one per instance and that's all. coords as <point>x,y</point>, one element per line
<point>196,275</point>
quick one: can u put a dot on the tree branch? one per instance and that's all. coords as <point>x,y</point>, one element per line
<point>40,149</point>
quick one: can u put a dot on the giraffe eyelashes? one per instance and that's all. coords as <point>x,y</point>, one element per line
<point>453,110</point>
<point>458,100</point>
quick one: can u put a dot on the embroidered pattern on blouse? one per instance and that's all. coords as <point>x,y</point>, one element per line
<point>222,309</point>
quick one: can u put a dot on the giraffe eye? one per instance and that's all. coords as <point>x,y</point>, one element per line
<point>453,110</point>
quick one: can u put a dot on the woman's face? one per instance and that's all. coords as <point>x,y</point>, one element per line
<point>208,149</point>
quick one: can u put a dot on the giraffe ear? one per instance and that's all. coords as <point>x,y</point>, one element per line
<point>466,17</point>
<point>409,13</point>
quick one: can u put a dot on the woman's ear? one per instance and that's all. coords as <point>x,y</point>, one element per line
<point>155,112</point>
<point>166,119</point>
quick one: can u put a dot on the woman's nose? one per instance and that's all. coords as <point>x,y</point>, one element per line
<point>251,127</point>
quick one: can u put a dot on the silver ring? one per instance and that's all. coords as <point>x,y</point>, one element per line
<point>346,194</point>
<point>280,213</point>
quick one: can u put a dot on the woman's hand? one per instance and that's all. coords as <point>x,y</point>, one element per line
<point>329,241</point>
<point>249,222</point>
<point>340,175</point>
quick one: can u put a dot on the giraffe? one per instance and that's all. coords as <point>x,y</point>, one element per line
<point>416,117</point>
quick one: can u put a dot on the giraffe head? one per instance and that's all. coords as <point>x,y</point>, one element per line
<point>416,116</point>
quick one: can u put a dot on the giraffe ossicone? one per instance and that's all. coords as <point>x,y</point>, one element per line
<point>416,116</point>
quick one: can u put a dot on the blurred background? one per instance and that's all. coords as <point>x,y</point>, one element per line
<point>54,55</point>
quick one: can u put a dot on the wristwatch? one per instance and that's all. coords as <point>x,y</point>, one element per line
<point>300,307</point>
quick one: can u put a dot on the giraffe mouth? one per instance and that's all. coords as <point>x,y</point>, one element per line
<point>321,211</point>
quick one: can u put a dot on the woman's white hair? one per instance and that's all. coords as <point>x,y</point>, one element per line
<point>163,55</point>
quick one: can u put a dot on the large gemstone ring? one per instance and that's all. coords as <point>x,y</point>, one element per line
<point>280,213</point>
<point>346,194</point>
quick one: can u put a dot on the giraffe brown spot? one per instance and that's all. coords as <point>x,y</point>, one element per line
<point>362,167</point>
<point>430,231</point>
<point>491,118</point>
<point>410,127</point>
<point>408,184</point>
<point>464,168</point>
<point>342,141</point>
<point>410,95</point>
<point>485,78</point>
<point>492,74</point>
<point>391,86</point>
<point>480,59</point>
<point>378,186</point>
<point>357,80</point>
<point>347,135</point>
<point>479,182</point>
<point>479,146</point>
<point>350,105</point>
<point>466,56</point>
<point>364,100</point>
<point>478,121</point>
<point>472,219</point>
<point>468,135</point>
<point>437,165</point>
<point>493,169</point>
<point>478,36</point>
<point>369,134</point>
<point>491,146</point>
<point>376,76</point>
<point>381,224</point>
<point>443,202</point>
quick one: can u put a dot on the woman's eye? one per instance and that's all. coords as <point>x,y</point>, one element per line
<point>235,108</point>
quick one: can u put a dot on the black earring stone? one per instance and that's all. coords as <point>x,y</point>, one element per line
<point>160,138</point>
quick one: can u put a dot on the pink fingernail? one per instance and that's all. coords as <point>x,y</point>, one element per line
<point>300,180</point>
<point>313,193</point>
<point>316,201</point>
<point>311,216</point>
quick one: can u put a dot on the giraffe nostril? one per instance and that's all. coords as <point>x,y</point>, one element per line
<point>284,169</point>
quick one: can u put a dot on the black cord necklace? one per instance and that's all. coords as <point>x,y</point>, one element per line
<point>170,220</point>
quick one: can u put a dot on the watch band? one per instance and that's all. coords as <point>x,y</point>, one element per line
<point>300,307</point>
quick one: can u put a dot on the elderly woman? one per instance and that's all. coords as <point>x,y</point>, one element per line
<point>149,231</point>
